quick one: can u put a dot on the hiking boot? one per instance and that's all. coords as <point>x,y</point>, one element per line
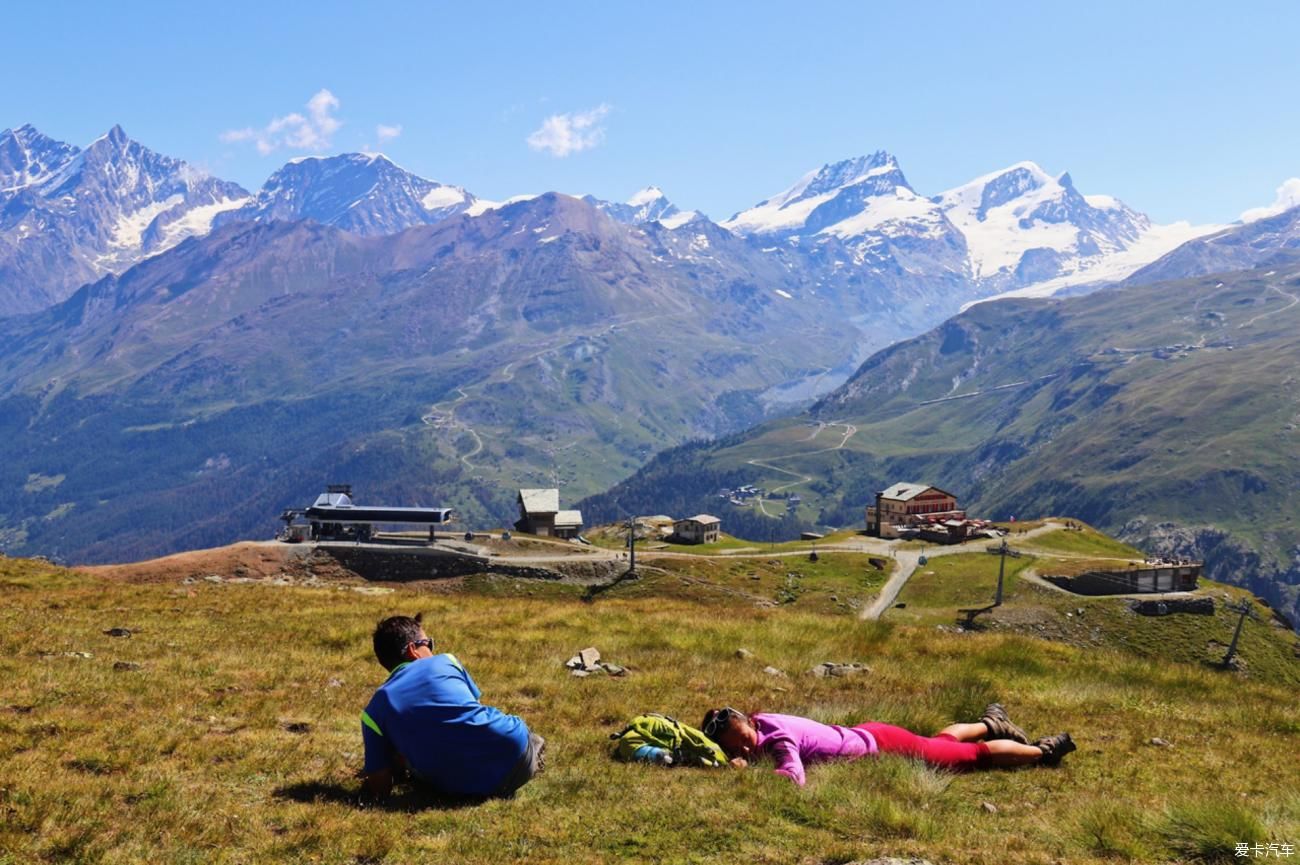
<point>1054,748</point>
<point>1000,726</point>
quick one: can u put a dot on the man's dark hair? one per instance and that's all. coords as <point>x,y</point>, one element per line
<point>393,635</point>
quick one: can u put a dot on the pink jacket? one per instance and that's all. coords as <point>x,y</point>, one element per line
<point>793,741</point>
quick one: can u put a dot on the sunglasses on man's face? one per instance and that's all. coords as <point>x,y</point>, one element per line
<point>425,642</point>
<point>718,723</point>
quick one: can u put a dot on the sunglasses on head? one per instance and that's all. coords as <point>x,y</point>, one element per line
<point>718,723</point>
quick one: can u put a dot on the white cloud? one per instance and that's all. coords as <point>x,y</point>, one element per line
<point>294,131</point>
<point>563,134</point>
<point>384,132</point>
<point>1288,196</point>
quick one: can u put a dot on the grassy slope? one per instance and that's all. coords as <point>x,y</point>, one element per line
<point>1116,424</point>
<point>192,758</point>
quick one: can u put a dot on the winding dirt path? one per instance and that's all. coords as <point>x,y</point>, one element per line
<point>849,431</point>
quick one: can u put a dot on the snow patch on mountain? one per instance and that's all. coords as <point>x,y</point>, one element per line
<point>647,205</point>
<point>1155,242</point>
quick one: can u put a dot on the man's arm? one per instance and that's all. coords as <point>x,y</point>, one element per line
<point>377,774</point>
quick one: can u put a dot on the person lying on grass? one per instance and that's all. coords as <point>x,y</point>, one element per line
<point>427,719</point>
<point>992,741</point>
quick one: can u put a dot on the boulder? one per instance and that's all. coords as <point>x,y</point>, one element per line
<point>744,654</point>
<point>118,632</point>
<point>126,666</point>
<point>589,656</point>
<point>773,671</point>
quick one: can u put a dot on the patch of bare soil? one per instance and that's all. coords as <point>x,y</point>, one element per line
<point>248,559</point>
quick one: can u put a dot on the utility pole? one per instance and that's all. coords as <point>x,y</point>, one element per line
<point>1236,635</point>
<point>631,545</point>
<point>1002,570</point>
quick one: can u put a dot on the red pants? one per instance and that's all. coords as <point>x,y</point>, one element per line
<point>942,750</point>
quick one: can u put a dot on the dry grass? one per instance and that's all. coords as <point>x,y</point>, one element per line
<point>238,738</point>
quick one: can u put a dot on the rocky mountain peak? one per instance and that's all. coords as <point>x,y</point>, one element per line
<point>364,193</point>
<point>647,205</point>
<point>29,157</point>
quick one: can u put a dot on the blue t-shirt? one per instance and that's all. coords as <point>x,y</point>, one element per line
<point>428,712</point>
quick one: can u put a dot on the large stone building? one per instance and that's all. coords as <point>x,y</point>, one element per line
<point>907,504</point>
<point>540,514</point>
<point>699,529</point>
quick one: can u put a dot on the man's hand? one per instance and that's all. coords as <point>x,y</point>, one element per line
<point>738,762</point>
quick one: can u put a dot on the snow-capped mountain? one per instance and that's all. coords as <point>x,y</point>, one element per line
<point>862,216</point>
<point>1031,232</point>
<point>1019,229</point>
<point>848,199</point>
<point>71,215</point>
<point>648,205</point>
<point>364,193</point>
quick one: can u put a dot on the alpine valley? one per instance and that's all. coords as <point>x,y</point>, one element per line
<point>180,358</point>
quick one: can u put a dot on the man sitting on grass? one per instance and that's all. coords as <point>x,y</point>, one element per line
<point>427,719</point>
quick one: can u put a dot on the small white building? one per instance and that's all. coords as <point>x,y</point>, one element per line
<point>699,529</point>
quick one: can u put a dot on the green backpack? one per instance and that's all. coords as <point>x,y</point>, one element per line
<point>686,745</point>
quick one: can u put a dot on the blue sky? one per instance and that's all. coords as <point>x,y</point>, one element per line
<point>1183,110</point>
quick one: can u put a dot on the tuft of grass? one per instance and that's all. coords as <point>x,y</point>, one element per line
<point>1113,831</point>
<point>1210,830</point>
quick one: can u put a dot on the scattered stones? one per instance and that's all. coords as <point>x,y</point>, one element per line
<point>127,666</point>
<point>118,632</point>
<point>892,860</point>
<point>66,655</point>
<point>989,807</point>
<point>1161,743</point>
<point>744,654</point>
<point>298,727</point>
<point>372,590</point>
<point>773,671</point>
<point>214,578</point>
<point>830,668</point>
<point>588,661</point>
<point>335,683</point>
<point>1079,611</point>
